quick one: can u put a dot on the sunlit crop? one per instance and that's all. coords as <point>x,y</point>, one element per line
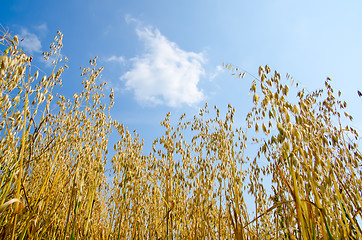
<point>304,180</point>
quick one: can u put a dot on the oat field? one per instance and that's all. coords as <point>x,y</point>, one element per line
<point>304,180</point>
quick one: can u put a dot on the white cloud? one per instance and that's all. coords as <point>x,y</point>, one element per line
<point>129,19</point>
<point>164,74</point>
<point>219,69</point>
<point>113,58</point>
<point>29,41</point>
<point>42,27</point>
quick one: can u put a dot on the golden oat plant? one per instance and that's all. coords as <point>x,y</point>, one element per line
<point>52,150</point>
<point>312,157</point>
<point>189,187</point>
<point>304,181</point>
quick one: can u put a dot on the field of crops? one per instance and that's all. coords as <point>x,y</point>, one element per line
<point>304,178</point>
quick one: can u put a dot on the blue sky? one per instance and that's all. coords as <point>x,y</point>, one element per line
<point>165,56</point>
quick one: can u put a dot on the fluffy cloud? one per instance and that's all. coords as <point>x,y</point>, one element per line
<point>29,41</point>
<point>116,59</point>
<point>42,28</point>
<point>164,74</point>
<point>219,69</point>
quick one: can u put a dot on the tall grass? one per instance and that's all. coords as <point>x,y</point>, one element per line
<point>196,182</point>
